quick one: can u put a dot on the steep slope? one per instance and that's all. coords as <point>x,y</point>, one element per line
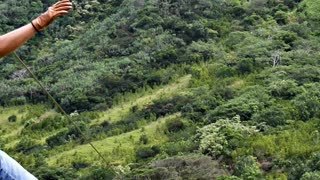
<point>239,82</point>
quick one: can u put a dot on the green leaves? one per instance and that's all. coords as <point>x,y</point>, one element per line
<point>247,168</point>
<point>221,137</point>
<point>308,103</point>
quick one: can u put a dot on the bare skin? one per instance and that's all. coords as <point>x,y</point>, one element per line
<point>13,40</point>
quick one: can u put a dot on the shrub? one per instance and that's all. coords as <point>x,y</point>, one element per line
<point>273,116</point>
<point>281,17</point>
<point>147,152</point>
<point>27,145</point>
<point>225,71</point>
<point>80,164</point>
<point>245,66</point>
<point>144,139</point>
<point>55,173</point>
<point>49,123</point>
<point>175,125</point>
<point>285,89</point>
<point>178,147</point>
<point>251,100</point>
<point>247,168</point>
<point>99,173</point>
<point>308,103</point>
<point>57,140</point>
<point>311,175</point>
<point>181,167</point>
<point>222,137</point>
<point>12,118</point>
<point>287,37</point>
<point>18,101</point>
<point>167,106</point>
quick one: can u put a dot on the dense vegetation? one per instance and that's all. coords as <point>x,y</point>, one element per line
<point>198,89</point>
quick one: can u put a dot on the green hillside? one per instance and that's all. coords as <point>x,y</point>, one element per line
<point>197,89</point>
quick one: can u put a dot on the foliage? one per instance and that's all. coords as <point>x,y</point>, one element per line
<point>311,175</point>
<point>54,173</point>
<point>308,103</point>
<point>12,118</point>
<point>27,145</point>
<point>254,60</point>
<point>147,152</point>
<point>175,125</point>
<point>247,168</point>
<point>57,139</point>
<point>223,136</point>
<point>180,167</point>
<point>251,100</point>
<point>99,173</point>
<point>272,116</point>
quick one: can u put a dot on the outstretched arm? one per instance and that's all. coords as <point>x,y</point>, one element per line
<point>14,39</point>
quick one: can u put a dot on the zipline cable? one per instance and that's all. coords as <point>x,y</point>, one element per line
<point>57,105</point>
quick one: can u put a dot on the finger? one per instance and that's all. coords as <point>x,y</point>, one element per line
<point>63,8</point>
<point>63,4</point>
<point>59,2</point>
<point>61,13</point>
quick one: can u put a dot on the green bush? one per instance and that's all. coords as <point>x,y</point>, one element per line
<point>58,139</point>
<point>273,116</point>
<point>147,152</point>
<point>308,103</point>
<point>281,17</point>
<point>180,167</point>
<point>247,168</point>
<point>80,164</point>
<point>100,173</point>
<point>251,100</point>
<point>286,89</point>
<point>27,145</point>
<point>55,173</point>
<point>175,125</point>
<point>144,139</point>
<point>245,66</point>
<point>49,123</point>
<point>222,137</point>
<point>311,175</point>
<point>12,118</point>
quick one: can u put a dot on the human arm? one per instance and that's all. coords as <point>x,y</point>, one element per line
<point>13,40</point>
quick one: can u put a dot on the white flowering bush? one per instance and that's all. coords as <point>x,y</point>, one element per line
<point>311,175</point>
<point>220,137</point>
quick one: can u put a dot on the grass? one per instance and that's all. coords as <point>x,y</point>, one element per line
<point>10,131</point>
<point>11,127</point>
<point>120,111</point>
<point>120,149</point>
<point>116,149</point>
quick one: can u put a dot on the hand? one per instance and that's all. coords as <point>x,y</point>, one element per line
<point>58,9</point>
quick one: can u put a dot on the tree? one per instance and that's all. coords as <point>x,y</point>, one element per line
<point>273,116</point>
<point>308,103</point>
<point>251,100</point>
